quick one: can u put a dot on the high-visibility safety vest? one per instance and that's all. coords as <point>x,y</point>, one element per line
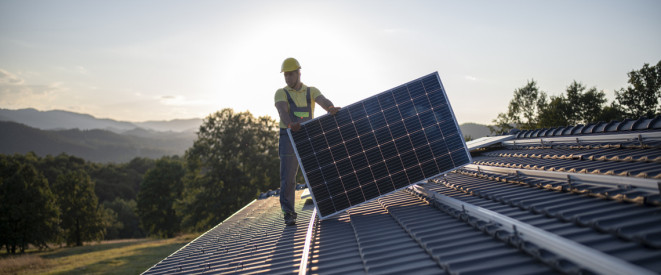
<point>300,114</point>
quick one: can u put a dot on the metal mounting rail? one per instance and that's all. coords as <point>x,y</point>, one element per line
<point>572,251</point>
<point>486,141</point>
<point>640,137</point>
<point>303,266</point>
<point>622,182</point>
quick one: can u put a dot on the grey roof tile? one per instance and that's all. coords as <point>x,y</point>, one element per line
<point>594,238</point>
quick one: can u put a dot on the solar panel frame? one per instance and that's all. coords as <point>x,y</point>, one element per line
<point>487,141</point>
<point>384,141</point>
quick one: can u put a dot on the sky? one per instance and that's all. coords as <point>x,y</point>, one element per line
<point>162,60</point>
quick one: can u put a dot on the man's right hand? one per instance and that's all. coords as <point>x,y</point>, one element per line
<point>294,126</point>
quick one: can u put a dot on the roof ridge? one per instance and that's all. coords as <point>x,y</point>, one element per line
<point>602,127</point>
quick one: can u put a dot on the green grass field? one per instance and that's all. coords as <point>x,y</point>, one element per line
<point>110,257</point>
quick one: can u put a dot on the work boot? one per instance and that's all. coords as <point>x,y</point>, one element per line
<point>290,218</point>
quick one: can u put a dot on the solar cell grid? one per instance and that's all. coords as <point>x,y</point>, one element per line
<point>380,144</point>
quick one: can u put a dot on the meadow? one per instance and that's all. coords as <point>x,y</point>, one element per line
<point>131,256</point>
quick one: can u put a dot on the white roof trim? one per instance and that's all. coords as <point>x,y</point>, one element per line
<point>303,266</point>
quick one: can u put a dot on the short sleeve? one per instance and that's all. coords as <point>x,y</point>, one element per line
<point>314,92</point>
<point>280,96</point>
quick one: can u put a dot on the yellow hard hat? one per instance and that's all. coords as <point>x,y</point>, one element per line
<point>290,64</point>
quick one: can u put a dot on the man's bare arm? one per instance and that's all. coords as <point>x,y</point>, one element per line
<point>282,107</point>
<point>326,104</point>
<point>323,102</point>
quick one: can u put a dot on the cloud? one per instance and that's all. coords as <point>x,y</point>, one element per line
<point>471,78</point>
<point>20,93</point>
<point>179,100</point>
<point>15,91</point>
<point>7,78</point>
<point>79,70</point>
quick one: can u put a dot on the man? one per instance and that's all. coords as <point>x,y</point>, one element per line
<point>295,104</point>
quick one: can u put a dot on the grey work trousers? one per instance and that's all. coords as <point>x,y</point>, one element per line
<point>288,171</point>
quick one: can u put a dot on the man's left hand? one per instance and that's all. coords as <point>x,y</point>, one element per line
<point>333,110</point>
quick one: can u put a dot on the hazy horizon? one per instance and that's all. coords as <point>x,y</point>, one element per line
<point>169,120</point>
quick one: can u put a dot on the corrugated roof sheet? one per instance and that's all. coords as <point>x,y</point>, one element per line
<point>600,195</point>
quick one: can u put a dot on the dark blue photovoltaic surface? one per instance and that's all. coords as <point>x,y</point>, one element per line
<point>378,145</point>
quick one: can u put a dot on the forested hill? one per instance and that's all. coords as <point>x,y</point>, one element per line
<point>93,145</point>
<point>57,120</point>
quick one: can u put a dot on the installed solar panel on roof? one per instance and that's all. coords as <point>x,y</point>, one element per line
<point>380,144</point>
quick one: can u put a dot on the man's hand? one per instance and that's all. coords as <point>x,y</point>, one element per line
<point>294,126</point>
<point>333,110</point>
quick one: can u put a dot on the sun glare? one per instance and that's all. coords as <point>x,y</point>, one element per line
<point>248,72</point>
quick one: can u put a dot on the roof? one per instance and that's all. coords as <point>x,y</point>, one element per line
<point>571,202</point>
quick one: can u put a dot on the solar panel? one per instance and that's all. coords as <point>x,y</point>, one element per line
<point>379,145</point>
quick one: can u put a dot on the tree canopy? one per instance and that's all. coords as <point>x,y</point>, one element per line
<point>234,157</point>
<point>53,200</point>
<point>643,96</point>
<point>28,212</point>
<point>524,109</point>
<point>82,218</point>
<point>159,190</point>
<point>530,109</point>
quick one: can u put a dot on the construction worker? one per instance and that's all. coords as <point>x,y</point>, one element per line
<point>295,104</point>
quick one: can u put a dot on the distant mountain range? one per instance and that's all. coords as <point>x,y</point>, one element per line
<point>474,130</point>
<point>93,145</point>
<point>57,120</point>
<point>94,139</point>
<point>107,140</point>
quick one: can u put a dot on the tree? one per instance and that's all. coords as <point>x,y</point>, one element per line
<point>52,166</point>
<point>610,113</point>
<point>159,189</point>
<point>557,113</point>
<point>584,107</point>
<point>529,108</point>
<point>641,98</point>
<point>234,157</point>
<point>126,223</point>
<point>119,180</point>
<point>111,223</point>
<point>28,213</point>
<point>82,218</point>
<point>136,169</point>
<point>577,107</point>
<point>523,110</point>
